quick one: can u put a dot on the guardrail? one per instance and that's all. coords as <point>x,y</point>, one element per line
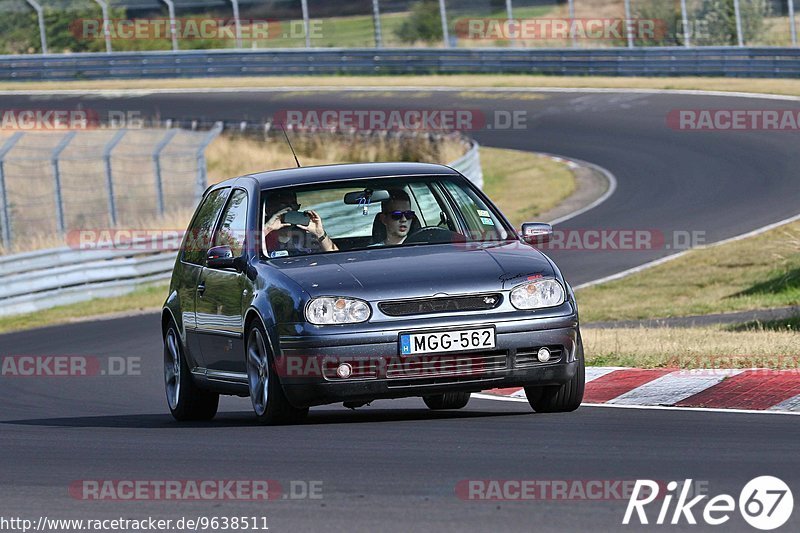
<point>652,61</point>
<point>42,279</point>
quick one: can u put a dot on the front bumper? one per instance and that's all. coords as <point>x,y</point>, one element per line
<point>307,365</point>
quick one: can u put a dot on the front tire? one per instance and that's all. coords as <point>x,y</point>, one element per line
<point>561,398</point>
<point>186,400</point>
<point>448,400</point>
<point>269,401</point>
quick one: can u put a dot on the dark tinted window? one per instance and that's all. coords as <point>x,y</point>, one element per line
<point>233,227</point>
<point>198,238</point>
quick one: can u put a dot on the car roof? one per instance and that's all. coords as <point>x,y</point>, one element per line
<point>330,173</point>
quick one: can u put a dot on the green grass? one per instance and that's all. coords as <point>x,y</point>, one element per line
<point>143,299</point>
<point>781,86</point>
<point>509,175</point>
<point>787,324</point>
<point>706,347</point>
<point>760,272</point>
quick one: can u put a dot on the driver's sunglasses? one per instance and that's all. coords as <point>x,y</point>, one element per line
<point>397,215</point>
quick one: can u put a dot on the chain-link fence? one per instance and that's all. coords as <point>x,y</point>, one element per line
<point>32,26</point>
<point>52,183</point>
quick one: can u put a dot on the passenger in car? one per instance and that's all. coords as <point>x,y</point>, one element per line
<point>281,239</point>
<point>396,217</point>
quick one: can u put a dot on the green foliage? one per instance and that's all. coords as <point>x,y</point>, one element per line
<point>669,28</point>
<point>720,19</point>
<point>20,33</point>
<point>424,23</point>
<point>714,23</point>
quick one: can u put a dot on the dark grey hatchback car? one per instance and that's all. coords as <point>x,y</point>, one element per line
<point>350,283</point>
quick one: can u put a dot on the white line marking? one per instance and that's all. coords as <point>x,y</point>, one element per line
<point>661,261</point>
<point>594,372</point>
<point>673,387</point>
<point>792,404</point>
<point>612,187</point>
<point>481,396</point>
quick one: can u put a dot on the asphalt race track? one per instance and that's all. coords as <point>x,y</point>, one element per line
<point>395,465</point>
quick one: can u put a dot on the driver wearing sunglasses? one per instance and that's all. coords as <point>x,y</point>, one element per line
<point>396,215</point>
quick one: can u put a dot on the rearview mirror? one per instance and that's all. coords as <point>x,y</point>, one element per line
<point>536,232</point>
<point>367,196</point>
<point>220,257</point>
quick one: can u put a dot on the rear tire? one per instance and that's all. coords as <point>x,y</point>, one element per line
<point>266,394</point>
<point>185,399</point>
<point>448,400</point>
<point>561,398</point>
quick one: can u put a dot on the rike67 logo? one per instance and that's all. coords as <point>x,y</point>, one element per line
<point>765,503</point>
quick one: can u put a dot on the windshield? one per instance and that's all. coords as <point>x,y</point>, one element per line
<point>376,213</point>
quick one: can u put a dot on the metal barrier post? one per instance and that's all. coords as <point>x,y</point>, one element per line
<point>157,168</point>
<point>376,17</point>
<point>685,22</point>
<point>202,177</point>
<point>172,28</point>
<point>7,146</point>
<point>571,19</point>
<point>106,24</point>
<point>738,13</point>
<point>628,23</point>
<point>509,10</point>
<point>57,177</point>
<point>445,30</point>
<point>238,23</point>
<point>40,14</point>
<point>792,25</point>
<point>112,203</point>
<point>306,22</point>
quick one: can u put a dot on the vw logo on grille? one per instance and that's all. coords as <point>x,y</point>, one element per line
<point>489,300</point>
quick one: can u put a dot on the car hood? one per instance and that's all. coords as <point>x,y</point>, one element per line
<point>416,271</point>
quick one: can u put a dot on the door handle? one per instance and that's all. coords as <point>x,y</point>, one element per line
<point>201,288</point>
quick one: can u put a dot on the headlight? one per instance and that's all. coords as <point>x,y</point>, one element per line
<point>328,310</point>
<point>538,294</point>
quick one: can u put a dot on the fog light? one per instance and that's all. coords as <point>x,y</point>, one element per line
<point>543,355</point>
<point>344,371</point>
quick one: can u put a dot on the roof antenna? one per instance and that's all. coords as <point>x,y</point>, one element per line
<point>283,129</point>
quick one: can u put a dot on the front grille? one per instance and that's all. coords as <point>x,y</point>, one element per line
<point>425,306</point>
<point>455,366</point>
<point>528,356</point>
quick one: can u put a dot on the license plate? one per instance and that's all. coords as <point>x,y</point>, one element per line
<point>447,341</point>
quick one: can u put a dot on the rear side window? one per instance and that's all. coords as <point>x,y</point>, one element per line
<point>233,227</point>
<point>198,237</point>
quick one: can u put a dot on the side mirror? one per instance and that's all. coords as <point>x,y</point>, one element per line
<point>220,257</point>
<point>536,232</point>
